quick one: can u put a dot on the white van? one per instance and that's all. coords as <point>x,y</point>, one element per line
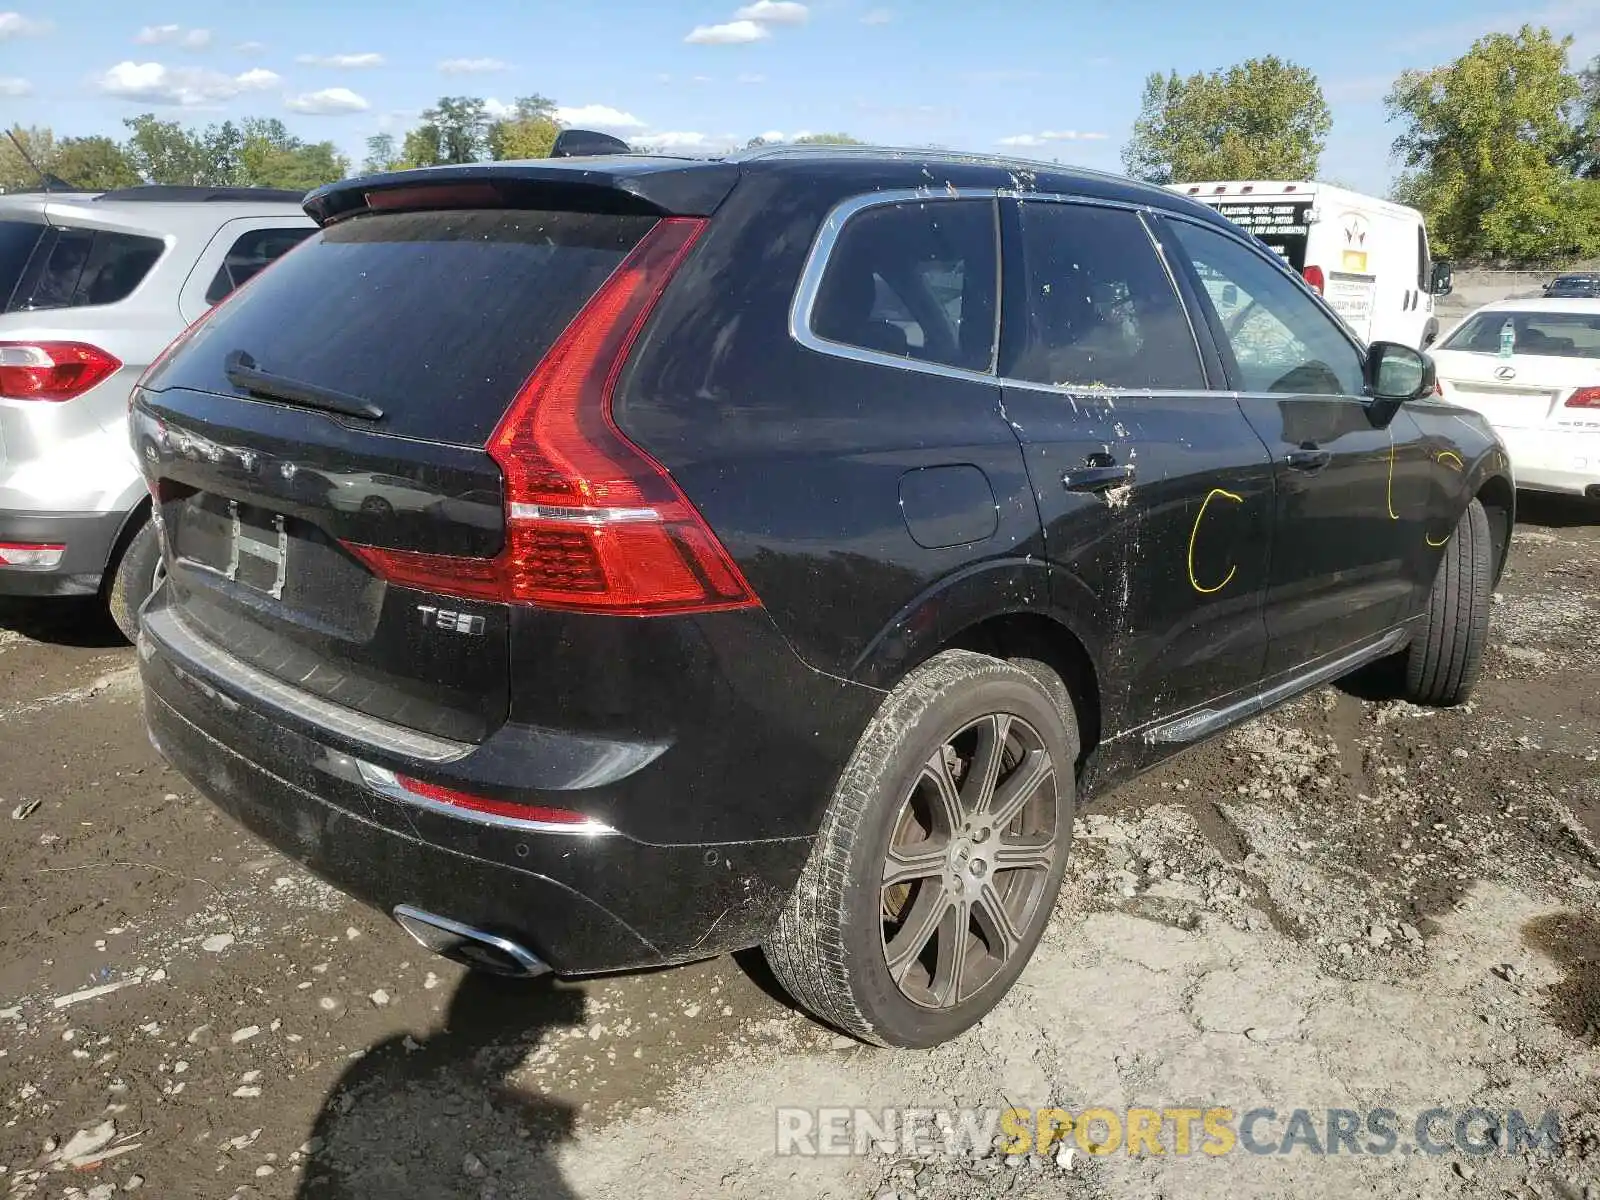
<point>1367,257</point>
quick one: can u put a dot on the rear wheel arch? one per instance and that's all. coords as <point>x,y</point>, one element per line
<point>1028,638</point>
<point>1499,500</point>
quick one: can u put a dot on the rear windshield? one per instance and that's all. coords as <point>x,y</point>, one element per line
<point>1557,335</point>
<point>436,317</point>
<point>75,268</point>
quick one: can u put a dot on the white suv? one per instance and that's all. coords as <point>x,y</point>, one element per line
<point>92,288</point>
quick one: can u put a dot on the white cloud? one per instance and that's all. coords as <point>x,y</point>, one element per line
<point>734,33</point>
<point>15,87</point>
<point>498,109</point>
<point>472,66</point>
<point>174,35</point>
<point>184,87</point>
<point>774,12</point>
<point>329,102</point>
<point>752,78</point>
<point>878,16</point>
<point>250,48</point>
<point>257,79</point>
<point>1049,136</point>
<point>774,135</point>
<point>14,24</point>
<point>349,61</point>
<point>599,117</point>
<point>687,142</point>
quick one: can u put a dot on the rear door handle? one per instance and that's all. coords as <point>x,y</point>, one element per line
<point>1097,476</point>
<point>1308,458</point>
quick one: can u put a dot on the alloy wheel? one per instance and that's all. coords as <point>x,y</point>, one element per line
<point>969,856</point>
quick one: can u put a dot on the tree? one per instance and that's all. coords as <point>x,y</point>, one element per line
<point>382,154</point>
<point>166,152</point>
<point>455,130</point>
<point>16,174</point>
<point>1583,154</point>
<point>96,163</point>
<point>1484,142</point>
<point>828,139</point>
<point>1260,119</point>
<point>270,156</point>
<point>529,132</point>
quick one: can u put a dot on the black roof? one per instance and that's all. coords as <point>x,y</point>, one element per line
<point>177,193</point>
<point>660,185</point>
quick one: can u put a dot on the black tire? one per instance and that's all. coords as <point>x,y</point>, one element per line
<point>831,945</point>
<point>1446,654</point>
<point>134,578</point>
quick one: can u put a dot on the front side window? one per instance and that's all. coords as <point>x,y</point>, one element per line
<point>1281,341</point>
<point>914,280</point>
<point>1096,308</point>
<point>249,253</point>
<point>73,268</point>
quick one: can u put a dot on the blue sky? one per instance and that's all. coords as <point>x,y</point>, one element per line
<point>1049,80</point>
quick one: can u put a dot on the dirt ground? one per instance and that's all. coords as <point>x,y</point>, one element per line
<point>1351,903</point>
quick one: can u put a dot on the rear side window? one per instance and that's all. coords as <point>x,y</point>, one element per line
<point>436,317</point>
<point>18,240</point>
<point>74,268</point>
<point>249,253</point>
<point>916,281</point>
<point>1096,307</point>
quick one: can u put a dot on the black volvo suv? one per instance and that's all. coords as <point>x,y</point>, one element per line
<point>601,563</point>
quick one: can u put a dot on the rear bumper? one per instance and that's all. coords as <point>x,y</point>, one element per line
<point>582,903</point>
<point>89,539</point>
<point>1555,460</point>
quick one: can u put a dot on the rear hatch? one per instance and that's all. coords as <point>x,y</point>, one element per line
<point>1553,356</point>
<point>318,445</point>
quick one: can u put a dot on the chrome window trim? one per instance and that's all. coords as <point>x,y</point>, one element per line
<point>811,275</point>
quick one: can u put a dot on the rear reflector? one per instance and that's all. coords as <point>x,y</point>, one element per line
<point>31,556</point>
<point>1315,278</point>
<point>593,523</point>
<point>536,817</point>
<point>52,370</point>
<point>1588,397</point>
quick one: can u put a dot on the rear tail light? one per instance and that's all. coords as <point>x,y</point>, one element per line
<point>1315,279</point>
<point>593,523</point>
<point>52,370</point>
<point>31,556</point>
<point>1588,397</point>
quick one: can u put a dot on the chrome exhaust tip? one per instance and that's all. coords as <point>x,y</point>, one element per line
<point>468,946</point>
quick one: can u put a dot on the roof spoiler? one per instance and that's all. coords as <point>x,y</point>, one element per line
<point>585,143</point>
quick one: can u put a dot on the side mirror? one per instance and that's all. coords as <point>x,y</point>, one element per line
<point>1396,373</point>
<point>1443,282</point>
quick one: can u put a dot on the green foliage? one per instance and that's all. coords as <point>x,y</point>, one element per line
<point>382,155</point>
<point>828,139</point>
<point>15,172</point>
<point>1487,142</point>
<point>257,152</point>
<point>1260,119</point>
<point>454,130</point>
<point>529,132</point>
<point>96,163</point>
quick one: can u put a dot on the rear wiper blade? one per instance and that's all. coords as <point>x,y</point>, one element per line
<point>244,372</point>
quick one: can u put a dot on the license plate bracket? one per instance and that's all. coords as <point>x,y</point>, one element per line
<point>257,556</point>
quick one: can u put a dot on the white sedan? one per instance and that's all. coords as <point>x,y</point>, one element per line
<point>1532,368</point>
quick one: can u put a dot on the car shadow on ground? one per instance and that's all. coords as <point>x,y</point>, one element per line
<point>62,621</point>
<point>439,1118</point>
<point>1556,511</point>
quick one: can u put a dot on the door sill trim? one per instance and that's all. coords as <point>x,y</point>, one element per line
<point>1203,722</point>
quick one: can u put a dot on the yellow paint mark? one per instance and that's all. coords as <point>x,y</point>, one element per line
<point>1441,542</point>
<point>1452,460</point>
<point>1393,516</point>
<point>1194,534</point>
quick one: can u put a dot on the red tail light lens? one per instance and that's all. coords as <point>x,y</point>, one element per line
<point>52,370</point>
<point>494,808</point>
<point>1316,279</point>
<point>1588,397</point>
<point>593,523</point>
